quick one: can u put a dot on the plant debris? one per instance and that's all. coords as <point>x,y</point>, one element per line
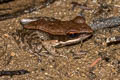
<point>12,73</point>
<point>114,39</point>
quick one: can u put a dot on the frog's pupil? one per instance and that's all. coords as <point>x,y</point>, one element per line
<point>73,35</point>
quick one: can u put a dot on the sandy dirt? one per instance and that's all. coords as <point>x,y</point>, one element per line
<point>74,61</point>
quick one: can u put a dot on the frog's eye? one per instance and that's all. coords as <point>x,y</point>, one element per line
<point>72,33</point>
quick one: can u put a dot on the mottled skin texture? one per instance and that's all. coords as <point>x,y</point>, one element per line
<point>30,40</point>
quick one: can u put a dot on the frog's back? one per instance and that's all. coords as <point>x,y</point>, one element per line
<point>57,27</point>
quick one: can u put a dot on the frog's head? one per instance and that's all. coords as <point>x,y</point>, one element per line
<point>79,26</point>
<point>79,29</point>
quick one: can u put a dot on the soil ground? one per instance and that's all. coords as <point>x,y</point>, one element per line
<point>74,64</point>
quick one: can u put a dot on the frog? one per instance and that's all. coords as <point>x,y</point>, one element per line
<point>73,28</point>
<point>31,36</point>
<point>36,30</point>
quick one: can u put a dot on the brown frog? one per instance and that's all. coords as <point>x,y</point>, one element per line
<point>39,29</point>
<point>55,27</point>
<point>66,32</point>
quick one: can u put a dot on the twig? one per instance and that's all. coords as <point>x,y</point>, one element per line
<point>29,9</point>
<point>95,62</point>
<point>105,23</point>
<point>80,5</point>
<point>5,1</point>
<point>11,73</point>
<point>113,39</point>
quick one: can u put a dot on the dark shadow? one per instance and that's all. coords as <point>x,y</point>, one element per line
<point>5,1</point>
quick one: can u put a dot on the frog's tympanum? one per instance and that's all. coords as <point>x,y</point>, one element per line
<point>54,28</point>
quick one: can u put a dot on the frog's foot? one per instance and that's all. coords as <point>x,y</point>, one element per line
<point>71,42</point>
<point>48,45</point>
